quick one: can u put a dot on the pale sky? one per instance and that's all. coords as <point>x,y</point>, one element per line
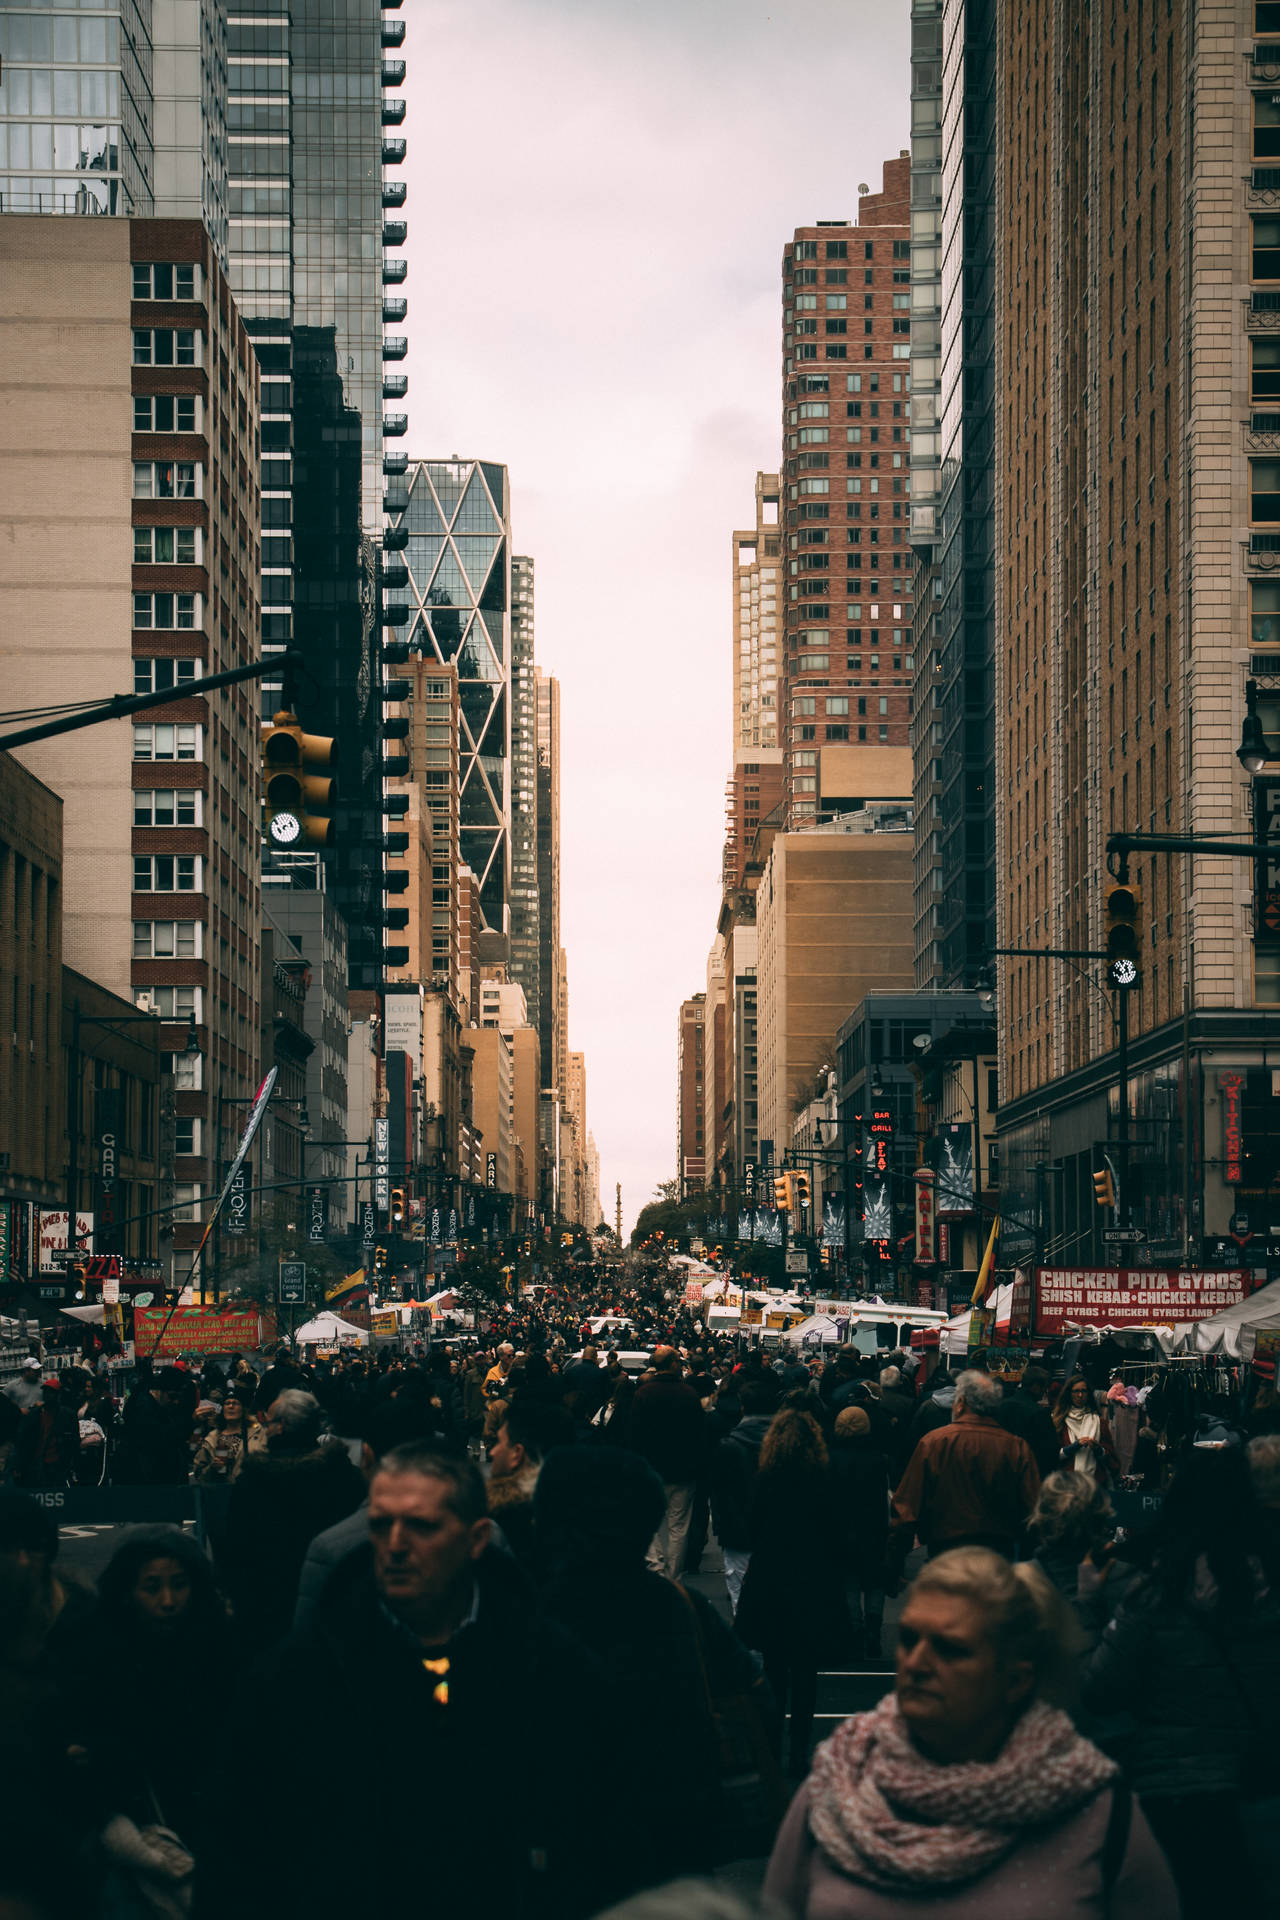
<point>599,195</point>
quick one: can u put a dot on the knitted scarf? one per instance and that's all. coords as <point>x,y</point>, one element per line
<point>890,1818</point>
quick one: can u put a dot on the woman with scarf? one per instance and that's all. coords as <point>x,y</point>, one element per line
<point>1083,1431</point>
<point>966,1793</point>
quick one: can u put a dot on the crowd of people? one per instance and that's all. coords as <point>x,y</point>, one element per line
<point>443,1649</point>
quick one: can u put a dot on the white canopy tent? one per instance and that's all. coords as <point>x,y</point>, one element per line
<point>1232,1330</point>
<point>819,1330</point>
<point>328,1330</point>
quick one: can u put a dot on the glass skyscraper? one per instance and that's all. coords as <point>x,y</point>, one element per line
<point>525,903</point>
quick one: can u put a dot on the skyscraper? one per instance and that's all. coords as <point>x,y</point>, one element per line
<point>846,395</point>
<point>453,530</point>
<point>690,1159</point>
<point>526,958</point>
<point>550,1011</point>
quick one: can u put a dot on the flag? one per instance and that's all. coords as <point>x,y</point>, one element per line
<point>351,1292</point>
<point>987,1268</point>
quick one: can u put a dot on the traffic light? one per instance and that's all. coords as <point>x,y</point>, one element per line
<point>379,1259</point>
<point>1104,1188</point>
<point>800,1183</point>
<point>782,1191</point>
<point>1124,933</point>
<point>397,1206</point>
<point>297,785</point>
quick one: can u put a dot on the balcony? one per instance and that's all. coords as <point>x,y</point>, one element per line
<point>395,575</point>
<point>1262,314</point>
<point>393,33</point>
<point>1262,433</point>
<point>395,766</point>
<point>393,113</point>
<point>394,151</point>
<point>395,539</point>
<point>395,425</point>
<point>396,880</point>
<point>394,233</point>
<point>394,271</point>
<point>395,346</point>
<point>395,386</point>
<point>395,613</point>
<point>393,310</point>
<point>393,73</point>
<point>394,193</point>
<point>395,463</point>
<point>396,689</point>
<point>395,502</point>
<point>395,726</point>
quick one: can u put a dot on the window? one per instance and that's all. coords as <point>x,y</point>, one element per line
<point>186,1134</point>
<point>806,250</point>
<point>806,276</point>
<point>166,939</point>
<point>837,302</point>
<point>805,783</point>
<point>165,412</point>
<point>837,326</point>
<point>176,610</point>
<point>805,759</point>
<point>815,410</point>
<point>837,249</point>
<point>883,733</point>
<point>1266,126</point>
<point>806,733</point>
<point>814,662</point>
<point>166,546</point>
<point>814,436</point>
<point>172,1003</point>
<point>902,249</point>
<point>160,282</point>
<point>1264,492</point>
<point>165,480</point>
<point>166,743</point>
<point>837,276</point>
<point>815,486</point>
<point>868,249</point>
<point>186,1201</point>
<point>153,676</point>
<point>1265,264</point>
<point>862,707</point>
<point>884,705</point>
<point>187,1070</point>
<point>165,873</point>
<point>168,807</point>
<point>164,347</point>
<point>837,703</point>
<point>804,703</point>
<point>806,302</point>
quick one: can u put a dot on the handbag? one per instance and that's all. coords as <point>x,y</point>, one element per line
<point>150,1872</point>
<point>753,1794</point>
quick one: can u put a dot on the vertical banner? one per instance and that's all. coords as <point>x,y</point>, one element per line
<point>746,1222</point>
<point>7,1209</point>
<point>368,1228</point>
<point>317,1215</point>
<point>108,1213</point>
<point>471,1209</point>
<point>451,1231</point>
<point>435,1226</point>
<point>833,1222</point>
<point>239,1216</point>
<point>382,1164</point>
<point>926,1219</point>
<point>1230,1085</point>
<point>954,1190</point>
<point>491,1170</point>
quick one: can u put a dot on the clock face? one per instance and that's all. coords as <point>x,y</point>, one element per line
<point>285,828</point>
<point>1123,973</point>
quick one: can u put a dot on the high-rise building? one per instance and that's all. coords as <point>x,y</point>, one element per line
<point>428,790</point>
<point>526,953</point>
<point>137,438</point>
<point>953,405</point>
<point>847,665</point>
<point>550,1011</point>
<point>453,530</point>
<point>757,606</point>
<point>1135,596</point>
<point>690,1160</point>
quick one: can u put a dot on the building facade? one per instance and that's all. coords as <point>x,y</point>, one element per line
<point>690,1144</point>
<point>526,949</point>
<point>847,662</point>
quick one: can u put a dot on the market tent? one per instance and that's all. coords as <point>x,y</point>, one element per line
<point>92,1315</point>
<point>327,1329</point>
<point>818,1330</point>
<point>1226,1331</point>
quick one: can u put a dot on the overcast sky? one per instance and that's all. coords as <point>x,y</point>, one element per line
<point>599,194</point>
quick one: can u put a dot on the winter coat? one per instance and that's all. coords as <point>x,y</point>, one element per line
<point>861,1507</point>
<point>1031,1420</point>
<point>221,1455</point>
<point>932,1413</point>
<point>553,1853</point>
<point>511,1505</point>
<point>1197,1683</point>
<point>155,1446</point>
<point>733,1472</point>
<point>668,1428</point>
<point>281,1500</point>
<point>793,1593</point>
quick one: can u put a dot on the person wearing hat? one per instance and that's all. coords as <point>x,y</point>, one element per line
<point>24,1389</point>
<point>861,1509</point>
<point>48,1441</point>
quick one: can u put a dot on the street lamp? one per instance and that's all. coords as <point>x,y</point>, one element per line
<point>1252,753</point>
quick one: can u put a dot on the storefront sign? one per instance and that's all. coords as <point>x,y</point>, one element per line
<point>491,1170</point>
<point>382,1164</point>
<point>193,1330</point>
<point>1131,1297</point>
<point>926,1237</point>
<point>106,1157</point>
<point>238,1215</point>
<point>1231,1084</point>
<point>53,1238</point>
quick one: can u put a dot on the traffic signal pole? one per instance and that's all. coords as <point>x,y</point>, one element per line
<point>121,703</point>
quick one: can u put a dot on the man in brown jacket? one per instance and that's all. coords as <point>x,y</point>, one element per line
<point>968,1484</point>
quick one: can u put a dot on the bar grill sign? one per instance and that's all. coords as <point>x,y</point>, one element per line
<point>382,1164</point>
<point>1231,1084</point>
<point>317,1215</point>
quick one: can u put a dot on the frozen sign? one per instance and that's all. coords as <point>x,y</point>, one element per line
<point>1130,1297</point>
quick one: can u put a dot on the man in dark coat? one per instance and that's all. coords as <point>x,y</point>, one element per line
<point>432,1667</point>
<point>733,1471</point>
<point>1025,1412</point>
<point>156,1433</point>
<point>968,1484</point>
<point>668,1429</point>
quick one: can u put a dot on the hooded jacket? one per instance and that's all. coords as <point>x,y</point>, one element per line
<point>282,1499</point>
<point>733,1472</point>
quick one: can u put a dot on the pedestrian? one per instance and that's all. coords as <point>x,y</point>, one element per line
<point>1025,1411</point>
<point>1084,1434</point>
<point>969,1483</point>
<point>285,1495</point>
<point>529,1431</point>
<point>233,1438</point>
<point>46,1449</point>
<point>861,1518</point>
<point>155,1444</point>
<point>668,1429</point>
<point>967,1792</point>
<point>733,1471</point>
<point>22,1389</point>
<point>495,1380</point>
<point>792,1607</point>
<point>899,1410</point>
<point>934,1410</point>
<point>434,1663</point>
<point>1193,1656</point>
<point>1073,1527</point>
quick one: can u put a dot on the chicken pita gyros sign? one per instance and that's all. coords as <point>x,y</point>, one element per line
<point>1130,1296</point>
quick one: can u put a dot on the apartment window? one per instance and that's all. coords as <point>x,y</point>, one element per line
<point>166,546</point>
<point>806,276</point>
<point>165,480</point>
<point>901,302</point>
<point>804,703</point>
<point>186,1134</point>
<point>837,703</point>
<point>186,1201</point>
<point>164,347</point>
<point>868,249</point>
<point>837,302</point>
<point>166,939</point>
<point>153,676</point>
<point>815,410</point>
<point>815,486</point>
<point>165,412</point>
<point>1265,264</point>
<point>862,707</point>
<point>837,249</point>
<point>884,705</point>
<point>165,873</point>
<point>806,250</point>
<point>814,436</point>
<point>837,326</point>
<point>814,662</point>
<point>1264,492</point>
<point>1266,126</point>
<point>805,733</point>
<point>837,276</point>
<point>805,783</point>
<point>177,610</point>
<point>159,281</point>
<point>805,759</point>
<point>168,807</point>
<point>161,742</point>
<point>883,733</point>
<point>806,303</point>
<point>172,1003</point>
<point>838,733</point>
<point>902,249</point>
<point>862,733</point>
<point>187,1070</point>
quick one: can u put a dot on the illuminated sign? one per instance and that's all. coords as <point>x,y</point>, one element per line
<point>1231,1085</point>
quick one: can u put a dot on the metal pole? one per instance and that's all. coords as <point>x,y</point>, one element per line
<point>73,1125</point>
<point>121,704</point>
<point>1122,1128</point>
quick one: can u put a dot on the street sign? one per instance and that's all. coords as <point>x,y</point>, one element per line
<point>293,1282</point>
<point>1117,1236</point>
<point>797,1262</point>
